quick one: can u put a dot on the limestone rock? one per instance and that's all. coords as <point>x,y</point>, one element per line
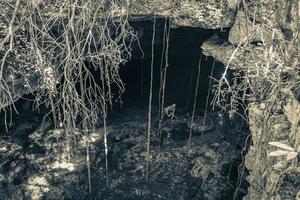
<point>244,31</point>
<point>204,14</point>
<point>267,174</point>
<point>241,57</point>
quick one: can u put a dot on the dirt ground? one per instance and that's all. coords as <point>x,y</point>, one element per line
<point>36,163</point>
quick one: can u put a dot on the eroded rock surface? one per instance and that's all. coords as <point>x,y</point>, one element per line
<point>263,44</point>
<point>203,14</point>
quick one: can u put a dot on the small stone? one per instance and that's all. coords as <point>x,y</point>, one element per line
<point>3,149</point>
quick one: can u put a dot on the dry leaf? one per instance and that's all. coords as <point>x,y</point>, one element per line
<point>291,155</point>
<point>281,145</point>
<point>278,153</point>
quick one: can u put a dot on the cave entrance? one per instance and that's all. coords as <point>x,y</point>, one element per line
<point>214,169</point>
<point>184,53</point>
<point>211,167</point>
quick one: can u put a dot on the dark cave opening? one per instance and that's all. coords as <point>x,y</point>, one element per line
<point>183,59</point>
<point>184,54</point>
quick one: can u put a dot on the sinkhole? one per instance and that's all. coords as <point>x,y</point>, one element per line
<point>196,152</point>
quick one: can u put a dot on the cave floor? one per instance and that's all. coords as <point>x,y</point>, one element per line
<point>39,164</point>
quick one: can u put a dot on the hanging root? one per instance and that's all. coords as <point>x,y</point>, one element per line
<point>208,92</point>
<point>150,103</point>
<point>163,78</point>
<point>60,48</point>
<point>195,101</point>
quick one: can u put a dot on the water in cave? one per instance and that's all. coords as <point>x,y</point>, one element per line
<point>211,167</point>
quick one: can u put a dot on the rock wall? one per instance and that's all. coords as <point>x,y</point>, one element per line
<point>263,44</point>
<point>204,14</point>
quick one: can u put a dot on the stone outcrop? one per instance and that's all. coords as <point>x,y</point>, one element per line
<point>263,44</point>
<point>204,14</point>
